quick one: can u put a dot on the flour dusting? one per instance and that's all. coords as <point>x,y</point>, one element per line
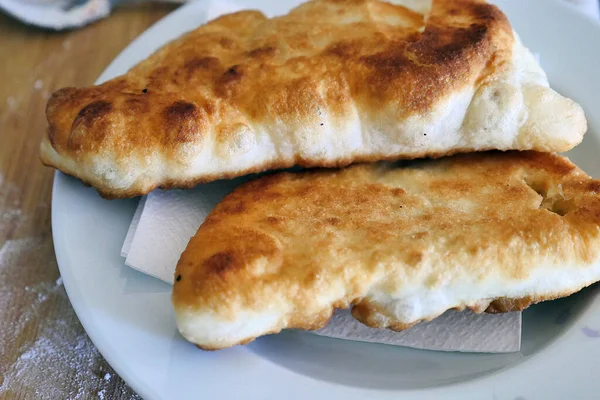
<point>56,359</point>
<point>44,352</point>
<point>12,103</point>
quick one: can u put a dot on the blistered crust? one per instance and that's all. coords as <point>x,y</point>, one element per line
<point>331,83</point>
<point>397,243</point>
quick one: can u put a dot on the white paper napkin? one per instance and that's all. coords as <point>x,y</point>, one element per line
<point>163,224</point>
<point>452,331</point>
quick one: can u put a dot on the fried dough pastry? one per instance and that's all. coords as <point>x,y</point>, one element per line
<point>331,83</point>
<point>399,244</point>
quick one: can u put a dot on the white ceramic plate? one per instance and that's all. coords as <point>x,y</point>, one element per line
<point>128,315</point>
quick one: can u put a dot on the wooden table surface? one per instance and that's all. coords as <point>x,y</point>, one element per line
<point>44,351</point>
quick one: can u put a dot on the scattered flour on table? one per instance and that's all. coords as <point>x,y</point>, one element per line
<point>58,361</point>
<point>12,103</point>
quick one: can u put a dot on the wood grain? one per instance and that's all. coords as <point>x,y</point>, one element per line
<point>44,352</point>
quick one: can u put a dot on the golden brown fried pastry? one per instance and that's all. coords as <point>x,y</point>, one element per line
<point>399,244</point>
<point>331,83</point>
